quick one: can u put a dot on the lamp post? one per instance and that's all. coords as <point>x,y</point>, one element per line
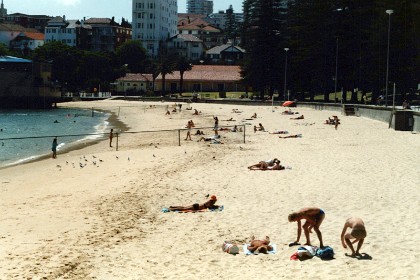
<point>285,74</point>
<point>389,12</point>
<point>336,71</point>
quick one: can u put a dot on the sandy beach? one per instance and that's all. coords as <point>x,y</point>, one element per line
<point>104,220</point>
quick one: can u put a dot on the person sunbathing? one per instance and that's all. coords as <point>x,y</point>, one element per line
<point>279,132</point>
<point>260,246</point>
<point>210,204</point>
<point>199,132</point>
<point>292,136</point>
<point>301,117</point>
<point>288,112</point>
<point>210,138</point>
<point>254,116</point>
<point>167,113</point>
<point>264,164</point>
<point>196,112</point>
<point>230,120</point>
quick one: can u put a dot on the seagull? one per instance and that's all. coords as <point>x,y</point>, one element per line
<point>154,155</point>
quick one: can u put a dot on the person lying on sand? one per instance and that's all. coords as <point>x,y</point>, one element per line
<point>314,217</point>
<point>269,162</point>
<point>279,132</point>
<point>167,113</point>
<point>301,117</point>
<point>196,112</point>
<point>358,233</point>
<point>287,112</point>
<point>230,120</point>
<point>254,116</point>
<point>260,246</point>
<point>264,166</point>
<point>210,204</point>
<point>209,138</point>
<point>292,136</point>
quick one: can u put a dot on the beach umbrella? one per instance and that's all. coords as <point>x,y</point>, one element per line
<point>289,104</point>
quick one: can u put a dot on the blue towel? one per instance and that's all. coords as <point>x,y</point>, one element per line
<point>248,252</point>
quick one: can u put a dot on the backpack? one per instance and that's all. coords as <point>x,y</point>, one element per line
<point>326,253</point>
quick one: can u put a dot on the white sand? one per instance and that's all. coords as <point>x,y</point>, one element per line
<point>106,222</point>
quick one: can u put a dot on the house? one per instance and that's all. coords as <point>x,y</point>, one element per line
<point>108,35</point>
<point>197,25</point>
<point>38,22</point>
<point>207,78</point>
<point>134,83</point>
<point>9,31</point>
<point>73,33</point>
<point>187,45</point>
<point>227,53</point>
<point>27,41</point>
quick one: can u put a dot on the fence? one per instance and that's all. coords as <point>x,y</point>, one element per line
<point>35,147</point>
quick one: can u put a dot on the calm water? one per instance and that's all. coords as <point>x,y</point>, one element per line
<point>45,125</point>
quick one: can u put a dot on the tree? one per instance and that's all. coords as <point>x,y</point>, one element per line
<point>183,64</point>
<point>262,41</point>
<point>132,54</point>
<point>231,30</point>
<point>3,49</point>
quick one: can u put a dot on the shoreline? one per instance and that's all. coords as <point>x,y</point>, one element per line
<point>80,144</point>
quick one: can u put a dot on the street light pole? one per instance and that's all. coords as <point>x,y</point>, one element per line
<point>336,72</point>
<point>389,12</point>
<point>285,74</point>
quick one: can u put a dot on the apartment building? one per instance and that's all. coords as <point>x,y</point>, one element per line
<point>201,7</point>
<point>154,21</point>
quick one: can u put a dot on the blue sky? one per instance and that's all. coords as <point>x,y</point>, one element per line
<point>77,9</point>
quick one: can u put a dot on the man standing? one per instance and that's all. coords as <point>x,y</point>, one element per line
<point>54,147</point>
<point>314,217</point>
<point>111,135</point>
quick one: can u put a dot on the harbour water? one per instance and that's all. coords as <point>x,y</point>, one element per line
<point>28,134</point>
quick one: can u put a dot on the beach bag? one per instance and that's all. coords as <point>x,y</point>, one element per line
<point>326,253</point>
<point>230,248</point>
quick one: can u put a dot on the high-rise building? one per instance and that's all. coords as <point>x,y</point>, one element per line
<point>201,7</point>
<point>154,22</point>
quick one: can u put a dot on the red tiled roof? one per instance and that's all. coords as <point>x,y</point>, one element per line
<point>130,77</point>
<point>34,35</point>
<point>207,73</point>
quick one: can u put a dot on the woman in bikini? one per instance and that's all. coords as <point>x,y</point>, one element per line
<point>210,204</point>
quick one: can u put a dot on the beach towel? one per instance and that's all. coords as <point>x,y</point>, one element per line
<point>248,252</point>
<point>304,253</point>
<point>220,209</point>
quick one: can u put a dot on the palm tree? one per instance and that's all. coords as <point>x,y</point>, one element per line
<point>183,64</point>
<point>166,66</point>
